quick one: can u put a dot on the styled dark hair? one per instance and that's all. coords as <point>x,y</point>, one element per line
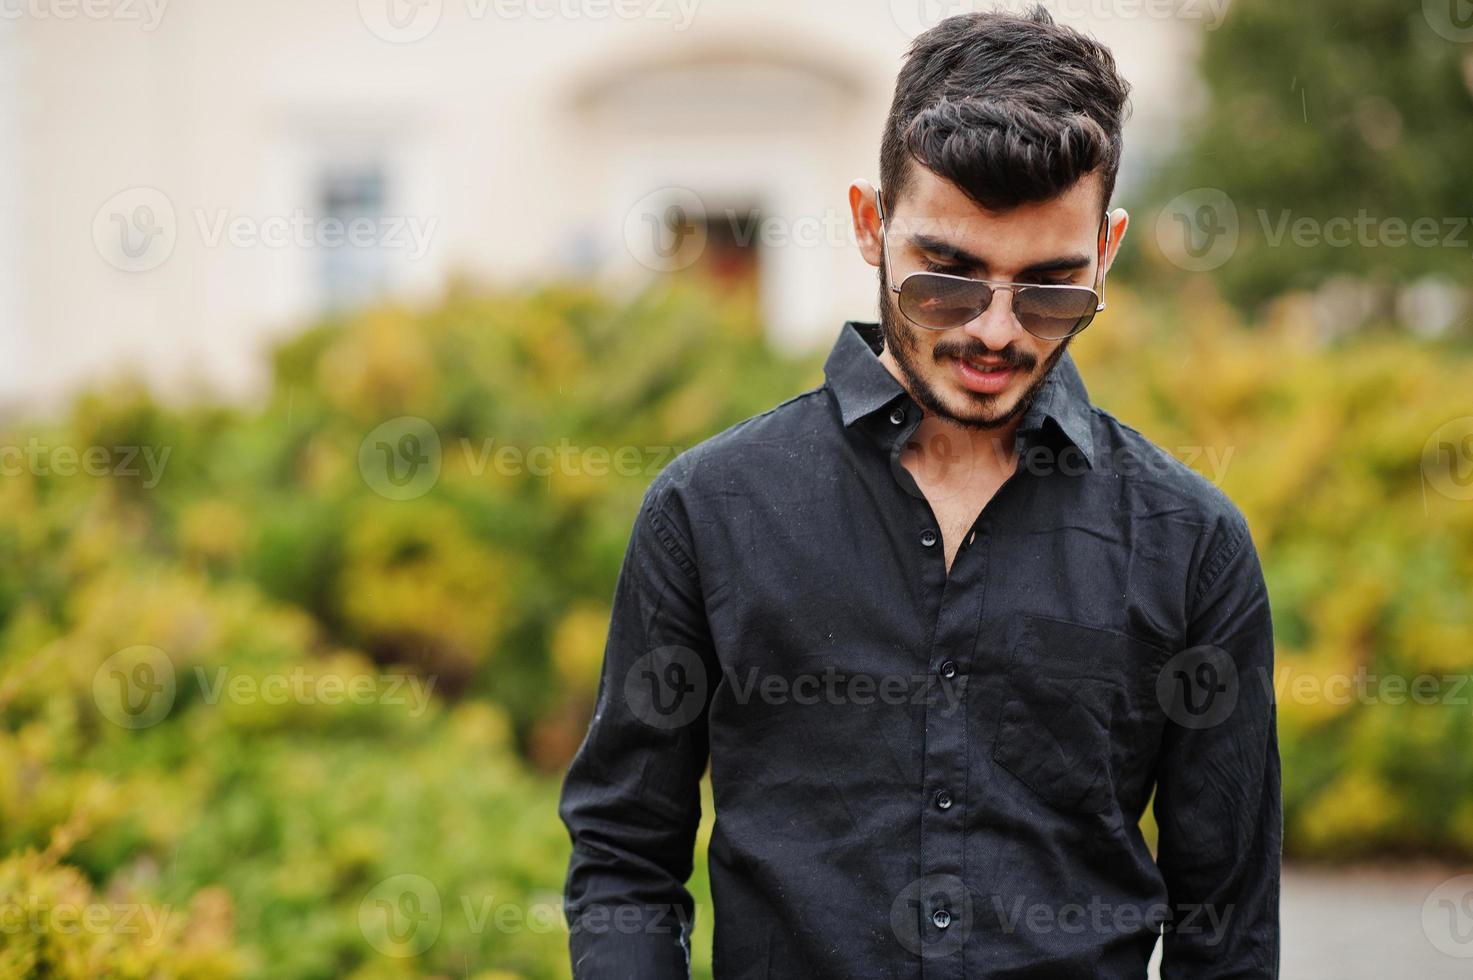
<point>1011,108</point>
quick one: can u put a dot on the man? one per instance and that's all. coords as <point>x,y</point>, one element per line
<point>941,627</point>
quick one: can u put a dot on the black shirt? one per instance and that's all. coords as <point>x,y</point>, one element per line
<point>918,774</point>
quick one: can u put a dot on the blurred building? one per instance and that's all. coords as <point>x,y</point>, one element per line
<point>183,181</point>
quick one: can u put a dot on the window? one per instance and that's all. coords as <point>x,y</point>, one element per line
<point>351,203</point>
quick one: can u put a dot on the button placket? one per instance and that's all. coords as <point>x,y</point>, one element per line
<point>945,761</point>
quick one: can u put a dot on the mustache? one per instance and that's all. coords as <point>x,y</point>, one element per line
<point>1010,355</point>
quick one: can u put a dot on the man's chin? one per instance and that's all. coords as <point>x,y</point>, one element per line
<point>977,411</point>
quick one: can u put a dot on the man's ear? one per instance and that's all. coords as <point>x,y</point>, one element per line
<point>866,220</point>
<point>1118,221</point>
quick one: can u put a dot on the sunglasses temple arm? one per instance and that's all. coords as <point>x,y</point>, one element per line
<point>884,242</point>
<point>1101,283</point>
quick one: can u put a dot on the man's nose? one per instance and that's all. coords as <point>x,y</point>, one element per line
<point>996,326</point>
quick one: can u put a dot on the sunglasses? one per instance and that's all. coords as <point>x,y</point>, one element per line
<point>937,301</point>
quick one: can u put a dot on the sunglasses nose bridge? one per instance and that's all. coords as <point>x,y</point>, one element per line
<point>996,323</point>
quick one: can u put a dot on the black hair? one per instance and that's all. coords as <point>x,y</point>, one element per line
<point>1011,108</point>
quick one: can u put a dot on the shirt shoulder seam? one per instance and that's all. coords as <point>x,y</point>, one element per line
<point>1224,555</point>
<point>667,535</point>
<point>672,545</point>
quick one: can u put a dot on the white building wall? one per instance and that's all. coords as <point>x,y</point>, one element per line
<point>14,354</point>
<point>229,109</point>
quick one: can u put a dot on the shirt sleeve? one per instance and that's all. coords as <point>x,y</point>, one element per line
<point>1218,806</point>
<point>631,799</point>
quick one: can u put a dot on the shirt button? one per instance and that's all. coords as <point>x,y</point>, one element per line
<point>948,669</point>
<point>897,416</point>
<point>928,537</point>
<point>943,800</point>
<point>942,918</point>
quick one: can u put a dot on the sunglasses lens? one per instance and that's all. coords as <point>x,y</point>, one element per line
<point>1056,312</point>
<point>942,302</point>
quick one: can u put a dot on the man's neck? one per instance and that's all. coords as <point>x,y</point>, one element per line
<point>948,451</point>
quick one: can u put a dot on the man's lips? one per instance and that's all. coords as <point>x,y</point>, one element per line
<point>983,374</point>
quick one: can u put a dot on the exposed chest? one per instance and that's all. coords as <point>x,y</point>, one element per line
<point>956,494</point>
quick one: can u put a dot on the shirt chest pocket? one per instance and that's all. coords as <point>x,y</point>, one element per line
<point>1067,699</point>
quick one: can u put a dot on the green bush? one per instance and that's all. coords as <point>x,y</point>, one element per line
<point>1332,131</point>
<point>270,544</point>
<point>1366,537</point>
<point>259,546</point>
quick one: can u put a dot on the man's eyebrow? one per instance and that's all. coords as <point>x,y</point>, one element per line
<point>956,255</point>
<point>1064,263</point>
<point>943,249</point>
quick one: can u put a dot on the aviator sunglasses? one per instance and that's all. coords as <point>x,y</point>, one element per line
<point>937,301</point>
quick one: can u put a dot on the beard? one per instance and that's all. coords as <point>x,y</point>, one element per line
<point>983,410</point>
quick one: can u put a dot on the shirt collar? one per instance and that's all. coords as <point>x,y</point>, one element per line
<point>859,381</point>
<point>1064,400</point>
<point>863,386</point>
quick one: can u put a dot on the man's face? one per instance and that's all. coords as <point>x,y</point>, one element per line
<point>983,374</point>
